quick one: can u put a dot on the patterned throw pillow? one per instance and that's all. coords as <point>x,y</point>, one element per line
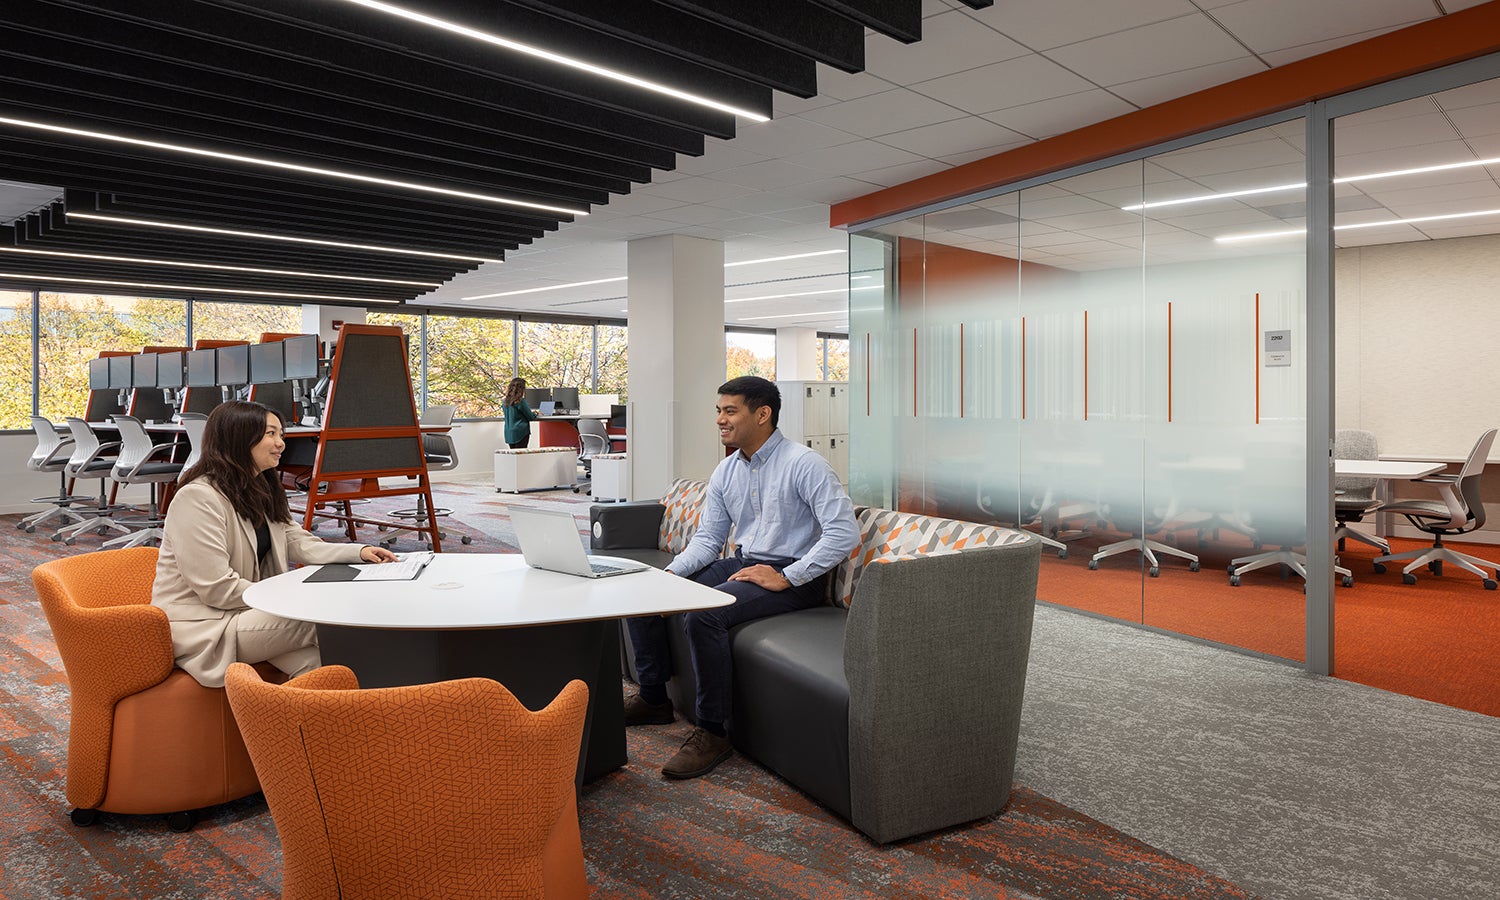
<point>684,503</point>
<point>888,536</point>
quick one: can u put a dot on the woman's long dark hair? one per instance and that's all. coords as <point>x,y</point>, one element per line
<point>233,429</point>
<point>515,391</point>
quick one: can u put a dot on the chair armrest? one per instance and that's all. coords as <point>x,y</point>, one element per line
<point>621,526</point>
<point>935,653</point>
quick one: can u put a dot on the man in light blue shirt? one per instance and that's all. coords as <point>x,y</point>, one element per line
<point>792,523</point>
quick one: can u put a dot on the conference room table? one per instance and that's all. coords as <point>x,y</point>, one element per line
<point>490,615</point>
<point>1386,471</point>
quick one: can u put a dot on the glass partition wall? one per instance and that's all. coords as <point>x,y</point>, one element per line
<point>1086,358</point>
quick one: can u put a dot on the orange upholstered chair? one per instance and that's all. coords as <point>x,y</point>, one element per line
<point>431,791</point>
<point>145,737</point>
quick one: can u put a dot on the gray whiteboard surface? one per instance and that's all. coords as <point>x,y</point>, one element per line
<point>373,389</point>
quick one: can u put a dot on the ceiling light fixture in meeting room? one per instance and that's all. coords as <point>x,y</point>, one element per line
<point>558,58</point>
<point>217,267</point>
<point>1349,179</point>
<point>193,288</point>
<point>1233,238</point>
<point>266,236</point>
<point>291,167</point>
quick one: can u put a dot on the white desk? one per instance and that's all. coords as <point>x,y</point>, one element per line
<point>489,615</point>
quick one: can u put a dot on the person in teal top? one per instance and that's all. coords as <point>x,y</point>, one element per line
<point>518,415</point>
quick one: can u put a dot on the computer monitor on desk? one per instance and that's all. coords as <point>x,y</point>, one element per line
<point>170,369</point>
<point>301,354</point>
<point>121,368</point>
<point>234,365</point>
<point>143,370</point>
<point>267,363</point>
<point>535,396</point>
<point>567,399</point>
<point>202,381</point>
<point>99,374</point>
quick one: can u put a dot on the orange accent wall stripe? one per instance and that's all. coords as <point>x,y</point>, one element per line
<point>914,371</point>
<point>1023,367</point>
<point>1256,357</point>
<point>1085,365</point>
<point>1169,360</point>
<point>960,370</point>
<point>1427,45</point>
<point>867,374</point>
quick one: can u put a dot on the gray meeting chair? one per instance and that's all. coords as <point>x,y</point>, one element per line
<point>142,462</point>
<point>441,454</point>
<point>1354,498</point>
<point>193,426</point>
<point>52,453</point>
<point>92,459</point>
<point>1459,510</point>
<point>593,440</point>
<point>1276,510</point>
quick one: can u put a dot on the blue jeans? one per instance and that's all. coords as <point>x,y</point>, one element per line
<point>708,631</point>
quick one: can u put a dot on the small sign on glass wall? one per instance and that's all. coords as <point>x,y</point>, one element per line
<point>1278,349</point>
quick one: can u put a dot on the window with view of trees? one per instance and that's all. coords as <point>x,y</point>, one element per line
<point>15,359</point>
<point>469,363</point>
<point>613,360</point>
<point>243,321</point>
<point>833,358</point>
<point>411,327</point>
<point>557,354</point>
<point>748,353</point>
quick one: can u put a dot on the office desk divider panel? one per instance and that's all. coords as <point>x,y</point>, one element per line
<point>370,430</point>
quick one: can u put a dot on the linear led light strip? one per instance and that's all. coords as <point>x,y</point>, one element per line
<point>216,267</point>
<point>807,315</point>
<point>265,236</point>
<point>865,287</point>
<point>743,262</point>
<point>558,58</point>
<point>290,167</point>
<point>1302,184</point>
<point>188,287</point>
<point>1232,238</point>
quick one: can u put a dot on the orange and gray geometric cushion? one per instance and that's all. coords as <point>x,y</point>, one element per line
<point>887,536</point>
<point>684,502</point>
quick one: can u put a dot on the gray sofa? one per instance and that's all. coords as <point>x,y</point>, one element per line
<point>900,712</point>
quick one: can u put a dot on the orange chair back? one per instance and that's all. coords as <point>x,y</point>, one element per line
<point>113,643</point>
<point>435,790</point>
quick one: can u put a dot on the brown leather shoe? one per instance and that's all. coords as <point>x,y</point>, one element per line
<point>639,712</point>
<point>699,754</point>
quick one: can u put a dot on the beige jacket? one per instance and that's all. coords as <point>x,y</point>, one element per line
<point>206,563</point>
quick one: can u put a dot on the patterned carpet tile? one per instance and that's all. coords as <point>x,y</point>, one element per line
<point>739,833</point>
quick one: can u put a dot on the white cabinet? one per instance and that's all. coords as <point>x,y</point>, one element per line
<point>816,413</point>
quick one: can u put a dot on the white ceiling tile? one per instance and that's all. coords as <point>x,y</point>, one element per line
<point>694,214</point>
<point>1061,114</point>
<point>769,175</point>
<point>850,159</point>
<point>764,203</point>
<point>894,175</point>
<point>885,113</point>
<point>836,190</point>
<point>697,189</point>
<point>956,136</point>
<point>1387,159</point>
<point>1044,25</point>
<point>1430,128</point>
<point>717,156</point>
<point>1477,121</point>
<point>958,159</point>
<point>842,85</point>
<point>1187,42</point>
<point>1266,25</point>
<point>1303,51</point>
<point>949,41</point>
<point>1026,79</point>
<point>794,134</point>
<point>1161,88</point>
<point>1480,94</point>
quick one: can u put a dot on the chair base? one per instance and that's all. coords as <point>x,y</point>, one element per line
<point>1344,531</point>
<point>46,516</point>
<point>136,538</point>
<point>1294,561</point>
<point>1147,548</point>
<point>1433,558</point>
<point>70,533</point>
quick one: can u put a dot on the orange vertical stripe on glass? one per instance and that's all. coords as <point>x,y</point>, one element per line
<point>1256,356</point>
<point>1169,360</point>
<point>960,370</point>
<point>1085,365</point>
<point>867,374</point>
<point>1023,367</point>
<point>914,371</point>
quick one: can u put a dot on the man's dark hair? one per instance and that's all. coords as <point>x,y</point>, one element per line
<point>757,392</point>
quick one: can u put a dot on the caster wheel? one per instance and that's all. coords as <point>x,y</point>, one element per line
<point>1489,584</point>
<point>1153,572</point>
<point>20,524</point>
<point>1063,553</point>
<point>30,529</point>
<point>1194,566</point>
<point>57,537</point>
<point>466,539</point>
<point>1094,564</point>
<point>388,543</point>
<point>83,818</point>
<point>1348,581</point>
<point>1408,578</point>
<point>1380,568</point>
<point>380,528</point>
<point>1435,567</point>
<point>182,822</point>
<point>70,541</point>
<point>1230,568</point>
<point>1234,581</point>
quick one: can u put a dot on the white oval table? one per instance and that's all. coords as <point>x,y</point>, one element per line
<point>489,615</point>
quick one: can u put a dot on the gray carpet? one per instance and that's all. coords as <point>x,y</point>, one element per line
<point>1287,784</point>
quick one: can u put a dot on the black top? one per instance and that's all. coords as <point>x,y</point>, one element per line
<point>262,541</point>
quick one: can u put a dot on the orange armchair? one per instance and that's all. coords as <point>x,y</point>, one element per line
<point>436,790</point>
<point>145,737</point>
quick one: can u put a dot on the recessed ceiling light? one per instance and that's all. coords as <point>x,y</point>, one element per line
<point>191,288</point>
<point>806,315</point>
<point>558,58</point>
<point>216,267</point>
<point>1231,238</point>
<point>550,287</point>
<point>292,167</point>
<point>1349,179</point>
<point>867,287</point>
<point>751,262</point>
<point>265,236</point>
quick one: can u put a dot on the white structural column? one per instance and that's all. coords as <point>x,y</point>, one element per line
<point>319,320</point>
<point>797,355</point>
<point>676,322</point>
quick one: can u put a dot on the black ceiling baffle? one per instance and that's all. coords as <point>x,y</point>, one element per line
<point>332,149</point>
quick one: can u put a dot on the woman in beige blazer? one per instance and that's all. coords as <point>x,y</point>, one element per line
<point>228,527</point>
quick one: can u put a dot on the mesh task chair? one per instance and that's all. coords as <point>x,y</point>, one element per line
<point>1275,508</point>
<point>593,440</point>
<point>142,462</point>
<point>92,459</point>
<point>1127,508</point>
<point>51,455</point>
<point>193,426</point>
<point>441,454</point>
<point>1354,498</point>
<point>1459,511</point>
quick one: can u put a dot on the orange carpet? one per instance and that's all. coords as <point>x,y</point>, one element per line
<point>1438,639</point>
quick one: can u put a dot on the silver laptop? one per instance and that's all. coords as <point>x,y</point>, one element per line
<point>550,540</point>
<point>547,408</point>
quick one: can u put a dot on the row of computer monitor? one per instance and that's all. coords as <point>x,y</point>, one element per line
<point>268,363</point>
<point>561,397</point>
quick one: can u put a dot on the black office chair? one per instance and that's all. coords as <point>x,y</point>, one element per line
<point>441,454</point>
<point>1459,511</point>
